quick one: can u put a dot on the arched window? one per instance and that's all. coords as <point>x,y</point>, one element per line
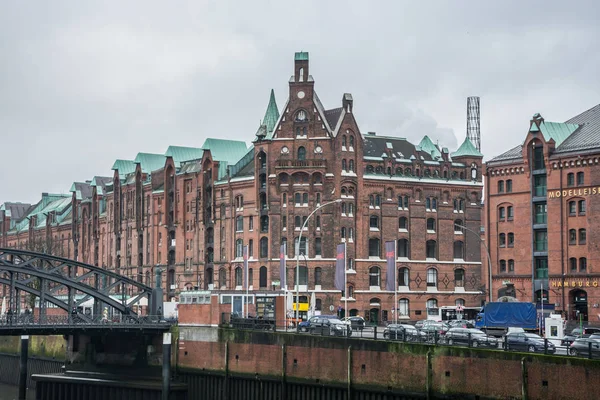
<point>432,304</point>
<point>459,277</point>
<point>374,222</point>
<point>351,140</point>
<point>403,277</point>
<point>502,240</point>
<point>262,277</point>
<point>459,250</point>
<point>377,200</point>
<point>264,247</point>
<point>264,223</point>
<point>239,223</point>
<point>572,236</point>
<point>403,223</point>
<point>222,278</point>
<point>459,302</point>
<point>238,276</point>
<point>431,249</point>
<point>572,208</point>
<point>582,264</point>
<point>343,233</point>
<point>511,265</point>
<point>239,248</point>
<point>582,236</point>
<point>502,266</point>
<point>374,247</point>
<point>581,207</point>
<point>510,214</point>
<point>351,166</point>
<point>403,249</point>
<point>350,291</point>
<point>403,308</point>
<point>431,224</point>
<point>573,264</point>
<point>580,179</point>
<point>344,165</point>
<point>458,224</point>
<point>500,186</point>
<point>432,277</point>
<point>301,153</point>
<point>302,247</point>
<point>343,206</point>
<point>570,179</point>
<point>374,276</point>
<point>344,140</point>
<point>509,186</point>
<point>350,234</point>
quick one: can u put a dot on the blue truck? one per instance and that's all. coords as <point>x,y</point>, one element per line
<point>497,317</point>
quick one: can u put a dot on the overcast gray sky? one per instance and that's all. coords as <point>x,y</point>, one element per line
<point>85,83</point>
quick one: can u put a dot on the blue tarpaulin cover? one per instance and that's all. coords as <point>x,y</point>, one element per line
<point>510,314</point>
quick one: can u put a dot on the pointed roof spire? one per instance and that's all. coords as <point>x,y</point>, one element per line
<point>467,149</point>
<point>271,115</point>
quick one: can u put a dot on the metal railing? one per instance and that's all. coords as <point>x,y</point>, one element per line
<point>24,320</point>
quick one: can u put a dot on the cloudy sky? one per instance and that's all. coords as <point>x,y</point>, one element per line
<point>85,83</point>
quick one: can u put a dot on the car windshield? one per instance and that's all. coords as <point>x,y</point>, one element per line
<point>409,327</point>
<point>475,332</point>
<point>335,321</point>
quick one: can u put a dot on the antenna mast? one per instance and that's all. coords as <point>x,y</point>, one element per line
<point>473,125</point>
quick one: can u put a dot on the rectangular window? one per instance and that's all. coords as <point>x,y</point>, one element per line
<point>541,213</point>
<point>541,268</point>
<point>510,212</point>
<point>580,179</point>
<point>538,158</point>
<point>541,241</point>
<point>581,207</point>
<point>539,186</point>
<point>509,186</point>
<point>317,246</point>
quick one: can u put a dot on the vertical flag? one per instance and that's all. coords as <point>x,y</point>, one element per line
<point>282,270</point>
<point>390,256</point>
<point>340,267</point>
<point>246,266</point>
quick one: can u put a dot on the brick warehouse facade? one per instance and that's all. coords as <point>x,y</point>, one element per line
<point>191,211</point>
<point>540,207</point>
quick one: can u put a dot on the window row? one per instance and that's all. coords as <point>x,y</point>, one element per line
<point>575,238</point>
<point>503,266</point>
<point>345,141</point>
<point>263,248</point>
<point>403,249</point>
<point>582,264</point>
<point>238,277</point>
<point>503,242</point>
<point>432,277</point>
<point>577,208</point>
<point>348,166</point>
<point>264,223</point>
<point>506,213</point>
<point>571,179</point>
<point>299,178</point>
<point>505,186</point>
<point>408,172</point>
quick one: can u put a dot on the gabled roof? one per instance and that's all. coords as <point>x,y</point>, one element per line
<point>430,148</point>
<point>49,202</point>
<point>588,136</point>
<point>333,116</point>
<point>124,167</point>
<point>181,154</point>
<point>100,182</point>
<point>83,190</point>
<point>375,146</point>
<point>16,211</point>
<point>150,162</point>
<point>271,114</point>
<point>467,149</point>
<point>557,131</point>
<point>225,150</point>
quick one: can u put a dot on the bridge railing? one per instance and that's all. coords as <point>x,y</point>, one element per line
<point>8,321</point>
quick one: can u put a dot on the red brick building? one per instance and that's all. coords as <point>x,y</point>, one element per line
<point>191,211</point>
<point>540,206</point>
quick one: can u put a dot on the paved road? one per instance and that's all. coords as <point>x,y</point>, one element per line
<point>8,392</point>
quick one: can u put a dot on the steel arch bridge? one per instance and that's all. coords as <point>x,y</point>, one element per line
<point>68,284</point>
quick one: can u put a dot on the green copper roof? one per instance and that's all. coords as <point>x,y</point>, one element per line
<point>428,147</point>
<point>271,115</point>
<point>124,167</point>
<point>49,202</point>
<point>301,56</point>
<point>181,154</point>
<point>534,127</point>
<point>467,149</point>
<point>150,162</point>
<point>557,131</point>
<point>226,150</point>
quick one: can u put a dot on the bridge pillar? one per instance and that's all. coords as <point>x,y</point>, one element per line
<point>23,367</point>
<point>166,366</point>
<point>156,299</point>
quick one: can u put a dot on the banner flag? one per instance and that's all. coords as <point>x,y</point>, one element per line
<point>282,270</point>
<point>390,256</point>
<point>340,267</point>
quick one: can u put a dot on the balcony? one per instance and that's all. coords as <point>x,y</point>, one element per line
<point>312,163</point>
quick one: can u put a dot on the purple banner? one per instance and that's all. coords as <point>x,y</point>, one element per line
<point>246,267</point>
<point>282,269</point>
<point>390,256</point>
<point>340,267</point>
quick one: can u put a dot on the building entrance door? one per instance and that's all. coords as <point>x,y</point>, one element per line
<point>580,309</point>
<point>374,316</point>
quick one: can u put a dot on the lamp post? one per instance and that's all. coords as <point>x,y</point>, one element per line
<point>488,256</point>
<point>298,253</point>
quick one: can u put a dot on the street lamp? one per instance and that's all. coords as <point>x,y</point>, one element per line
<point>488,256</point>
<point>298,252</point>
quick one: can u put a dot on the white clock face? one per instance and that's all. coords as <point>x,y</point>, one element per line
<point>301,94</point>
<point>285,150</point>
<point>318,150</point>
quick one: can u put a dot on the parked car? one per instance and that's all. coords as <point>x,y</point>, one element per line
<point>304,325</point>
<point>403,332</point>
<point>355,322</point>
<point>578,333</point>
<point>528,342</point>
<point>421,323</point>
<point>461,323</point>
<point>433,330</point>
<point>329,326</point>
<point>466,336</point>
<point>581,347</point>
